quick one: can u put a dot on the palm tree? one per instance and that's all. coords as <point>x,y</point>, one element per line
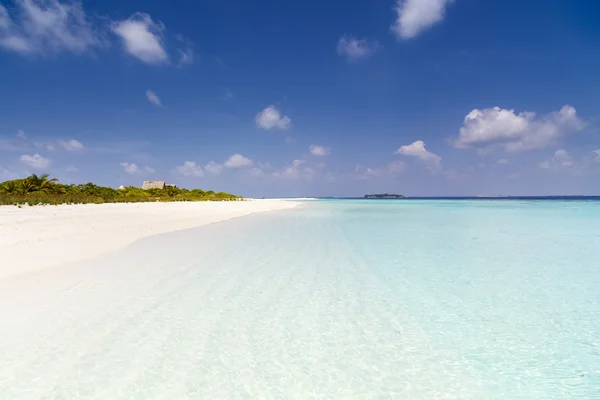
<point>42,183</point>
<point>171,191</point>
<point>10,187</point>
<point>57,188</point>
<point>27,186</point>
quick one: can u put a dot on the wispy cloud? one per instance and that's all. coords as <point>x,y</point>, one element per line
<point>395,167</point>
<point>226,94</point>
<point>153,98</point>
<point>133,169</point>
<point>35,161</point>
<point>189,169</point>
<point>48,26</point>
<point>185,51</point>
<point>316,150</point>
<point>18,143</point>
<point>356,49</point>
<point>415,16</point>
<point>186,56</point>
<point>271,118</point>
<point>260,170</point>
<point>22,142</point>
<point>560,159</point>
<point>214,168</point>
<point>391,169</point>
<point>364,172</point>
<point>72,145</point>
<point>51,26</point>
<point>297,170</point>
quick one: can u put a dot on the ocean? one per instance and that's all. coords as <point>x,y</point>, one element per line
<point>357,299</point>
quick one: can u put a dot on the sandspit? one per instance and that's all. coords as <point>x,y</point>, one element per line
<point>44,236</point>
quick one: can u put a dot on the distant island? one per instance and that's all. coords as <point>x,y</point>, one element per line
<point>384,196</point>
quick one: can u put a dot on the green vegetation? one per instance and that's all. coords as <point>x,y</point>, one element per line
<point>35,190</point>
<point>384,196</point>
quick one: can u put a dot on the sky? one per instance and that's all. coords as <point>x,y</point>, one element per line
<point>286,99</point>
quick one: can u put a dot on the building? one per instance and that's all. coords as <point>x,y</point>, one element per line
<point>153,185</point>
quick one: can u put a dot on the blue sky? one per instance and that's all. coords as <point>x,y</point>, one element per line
<point>276,98</point>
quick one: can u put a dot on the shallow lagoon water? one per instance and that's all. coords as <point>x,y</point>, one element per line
<point>335,299</point>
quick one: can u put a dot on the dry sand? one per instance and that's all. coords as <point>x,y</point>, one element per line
<point>43,236</point>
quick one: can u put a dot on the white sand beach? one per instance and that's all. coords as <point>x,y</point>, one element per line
<point>44,236</point>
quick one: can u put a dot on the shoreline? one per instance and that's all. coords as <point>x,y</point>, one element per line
<point>39,237</point>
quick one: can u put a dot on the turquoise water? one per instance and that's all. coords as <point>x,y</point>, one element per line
<point>335,299</point>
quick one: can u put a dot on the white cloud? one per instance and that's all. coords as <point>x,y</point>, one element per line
<point>142,38</point>
<point>153,98</point>
<point>72,145</point>
<point>130,168</point>
<point>238,161</point>
<point>22,142</point>
<point>133,169</point>
<point>45,26</point>
<point>270,118</point>
<point>355,49</point>
<point>415,16</point>
<point>391,169</point>
<point>417,149</point>
<point>503,161</point>
<point>496,127</point>
<point>190,168</point>
<point>319,150</point>
<point>597,152</point>
<point>560,159</point>
<point>259,170</point>
<point>35,161</point>
<point>297,170</point>
<point>214,168</point>
<point>362,172</point>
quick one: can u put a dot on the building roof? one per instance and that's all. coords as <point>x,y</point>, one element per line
<point>153,185</point>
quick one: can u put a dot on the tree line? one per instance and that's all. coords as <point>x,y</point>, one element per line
<point>42,189</point>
